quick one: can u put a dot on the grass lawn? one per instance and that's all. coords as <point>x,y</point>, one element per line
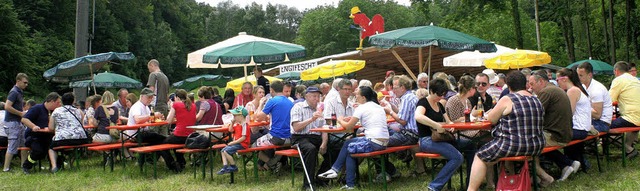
<point>92,177</point>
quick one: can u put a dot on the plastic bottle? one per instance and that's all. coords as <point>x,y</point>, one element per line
<point>480,109</point>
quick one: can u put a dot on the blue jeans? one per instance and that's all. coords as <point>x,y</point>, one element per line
<point>600,125</point>
<point>345,159</point>
<point>621,122</point>
<point>449,152</point>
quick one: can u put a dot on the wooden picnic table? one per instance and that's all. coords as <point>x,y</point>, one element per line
<point>461,126</point>
<point>124,137</point>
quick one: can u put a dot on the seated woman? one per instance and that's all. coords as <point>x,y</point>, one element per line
<point>518,133</point>
<point>104,116</point>
<point>581,108</point>
<point>376,135</point>
<point>210,112</point>
<point>67,127</point>
<point>430,114</point>
<point>256,132</point>
<point>184,109</point>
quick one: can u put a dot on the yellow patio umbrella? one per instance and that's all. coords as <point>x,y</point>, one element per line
<point>332,69</point>
<point>518,59</point>
<point>236,84</point>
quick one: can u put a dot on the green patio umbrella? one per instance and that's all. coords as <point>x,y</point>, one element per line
<point>108,80</point>
<point>289,76</point>
<point>599,67</point>
<point>243,50</point>
<point>83,68</point>
<point>202,80</point>
<point>430,36</point>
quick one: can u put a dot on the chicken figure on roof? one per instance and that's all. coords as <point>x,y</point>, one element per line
<point>367,27</point>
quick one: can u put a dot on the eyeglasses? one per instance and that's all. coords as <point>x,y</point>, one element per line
<point>482,84</point>
<point>423,81</point>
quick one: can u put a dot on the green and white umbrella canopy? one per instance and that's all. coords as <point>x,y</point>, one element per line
<point>423,36</point>
<point>82,68</point>
<point>202,80</point>
<point>108,80</point>
<point>243,50</point>
<point>599,67</point>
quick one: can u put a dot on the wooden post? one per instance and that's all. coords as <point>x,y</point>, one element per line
<point>404,64</point>
<point>420,69</point>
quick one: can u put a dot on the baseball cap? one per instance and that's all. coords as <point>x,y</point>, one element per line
<point>313,89</point>
<point>239,111</point>
<point>147,92</point>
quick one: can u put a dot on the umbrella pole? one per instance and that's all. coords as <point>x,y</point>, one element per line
<point>403,64</point>
<point>92,79</point>
<point>245,73</point>
<point>420,60</point>
<point>429,61</point>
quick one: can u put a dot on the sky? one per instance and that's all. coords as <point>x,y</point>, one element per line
<point>300,4</point>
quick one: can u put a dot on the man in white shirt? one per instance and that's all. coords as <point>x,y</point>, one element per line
<point>601,104</point>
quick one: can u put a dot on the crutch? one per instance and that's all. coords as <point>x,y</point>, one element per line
<point>304,166</point>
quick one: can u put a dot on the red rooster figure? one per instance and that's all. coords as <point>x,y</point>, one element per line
<point>367,27</point>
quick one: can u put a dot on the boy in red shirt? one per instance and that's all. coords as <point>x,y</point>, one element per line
<point>240,141</point>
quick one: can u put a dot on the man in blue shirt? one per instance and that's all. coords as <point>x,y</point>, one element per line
<point>38,135</point>
<point>279,107</point>
<point>14,129</point>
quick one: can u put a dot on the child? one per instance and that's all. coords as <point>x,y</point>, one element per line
<point>240,139</point>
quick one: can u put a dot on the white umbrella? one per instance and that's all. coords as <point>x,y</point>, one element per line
<point>473,59</point>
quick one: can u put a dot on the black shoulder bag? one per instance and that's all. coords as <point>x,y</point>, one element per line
<point>89,139</point>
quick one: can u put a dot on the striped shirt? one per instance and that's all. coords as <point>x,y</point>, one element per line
<point>335,105</point>
<point>407,110</point>
<point>302,111</point>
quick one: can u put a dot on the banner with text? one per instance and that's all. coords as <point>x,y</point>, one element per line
<point>297,67</point>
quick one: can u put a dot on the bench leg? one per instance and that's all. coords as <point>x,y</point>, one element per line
<point>111,158</point>
<point>255,165</point>
<point>624,150</point>
<point>211,154</point>
<point>141,157</point>
<point>535,174</point>
<point>205,157</point>
<point>155,168</point>
<point>193,165</point>
<point>384,171</point>
<point>292,171</point>
<point>595,145</point>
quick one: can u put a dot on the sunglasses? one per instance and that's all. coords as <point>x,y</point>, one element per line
<point>482,84</point>
<point>561,77</point>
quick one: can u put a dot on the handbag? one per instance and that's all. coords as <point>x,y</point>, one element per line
<point>196,140</point>
<point>89,139</point>
<point>114,133</point>
<point>441,137</point>
<point>515,182</point>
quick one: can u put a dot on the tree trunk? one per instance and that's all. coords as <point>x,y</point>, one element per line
<point>567,26</point>
<point>605,27</point>
<point>537,26</point>
<point>613,36</point>
<point>516,22</point>
<point>585,19</point>
<point>628,30</point>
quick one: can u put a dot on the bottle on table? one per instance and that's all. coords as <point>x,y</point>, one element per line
<point>467,115</point>
<point>480,109</point>
<point>333,120</point>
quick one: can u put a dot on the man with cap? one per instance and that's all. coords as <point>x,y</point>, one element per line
<point>493,90</point>
<point>307,115</point>
<point>140,113</point>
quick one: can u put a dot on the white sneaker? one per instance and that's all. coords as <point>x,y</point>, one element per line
<point>576,166</point>
<point>379,178</point>
<point>329,174</point>
<point>345,187</point>
<point>6,170</point>
<point>566,171</point>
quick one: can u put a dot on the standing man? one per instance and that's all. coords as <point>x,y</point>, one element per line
<point>482,83</point>
<point>14,129</point>
<point>625,89</point>
<point>159,84</point>
<point>261,80</point>
<point>38,135</point>
<point>304,117</point>
<point>602,109</point>
<point>121,104</point>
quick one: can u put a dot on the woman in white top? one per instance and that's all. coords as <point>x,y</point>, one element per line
<point>376,135</point>
<point>581,108</point>
<point>256,132</point>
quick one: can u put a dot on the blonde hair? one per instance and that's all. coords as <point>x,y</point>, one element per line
<point>421,93</point>
<point>108,98</point>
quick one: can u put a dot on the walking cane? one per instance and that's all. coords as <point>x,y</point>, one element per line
<point>304,166</point>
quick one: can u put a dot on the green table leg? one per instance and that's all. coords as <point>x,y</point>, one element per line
<point>155,169</point>
<point>255,165</point>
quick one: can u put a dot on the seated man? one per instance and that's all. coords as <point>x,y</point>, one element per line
<point>279,107</point>
<point>140,113</point>
<point>600,99</point>
<point>38,135</point>
<point>625,90</point>
<point>305,116</point>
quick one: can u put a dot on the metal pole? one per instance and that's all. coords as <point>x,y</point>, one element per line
<point>304,166</point>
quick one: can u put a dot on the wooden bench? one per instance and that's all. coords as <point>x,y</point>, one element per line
<point>204,157</point>
<point>436,160</point>
<point>253,152</point>
<point>153,149</point>
<point>619,133</point>
<point>384,155</point>
<point>76,152</point>
<point>291,154</point>
<point>108,152</point>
